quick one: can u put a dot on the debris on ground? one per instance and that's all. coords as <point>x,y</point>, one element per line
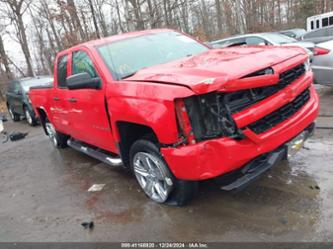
<point>88,225</point>
<point>96,187</point>
<point>14,136</point>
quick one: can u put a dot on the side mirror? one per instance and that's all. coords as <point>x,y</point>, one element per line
<point>82,81</point>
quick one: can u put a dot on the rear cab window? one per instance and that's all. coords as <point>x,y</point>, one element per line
<point>62,71</point>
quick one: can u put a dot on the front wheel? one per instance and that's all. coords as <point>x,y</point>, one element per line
<point>30,118</point>
<point>155,178</point>
<point>58,139</point>
<point>14,116</point>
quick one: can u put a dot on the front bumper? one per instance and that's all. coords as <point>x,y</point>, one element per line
<point>212,158</point>
<point>255,168</point>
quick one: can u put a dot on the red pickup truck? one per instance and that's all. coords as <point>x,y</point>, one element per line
<point>176,112</point>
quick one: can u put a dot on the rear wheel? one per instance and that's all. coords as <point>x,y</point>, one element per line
<point>30,118</point>
<point>14,116</point>
<point>58,139</point>
<point>155,178</point>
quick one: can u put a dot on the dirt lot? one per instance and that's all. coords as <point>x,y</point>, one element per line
<point>44,197</point>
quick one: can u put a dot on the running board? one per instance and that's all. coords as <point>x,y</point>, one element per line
<point>86,149</point>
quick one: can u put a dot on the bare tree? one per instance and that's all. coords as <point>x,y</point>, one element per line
<point>15,12</point>
<point>92,9</point>
<point>4,59</point>
<point>75,18</point>
<point>58,24</point>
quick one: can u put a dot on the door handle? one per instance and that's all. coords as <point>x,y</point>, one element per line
<point>56,99</point>
<point>72,100</point>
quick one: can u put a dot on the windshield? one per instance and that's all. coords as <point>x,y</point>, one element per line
<point>26,84</point>
<point>126,57</point>
<point>279,38</point>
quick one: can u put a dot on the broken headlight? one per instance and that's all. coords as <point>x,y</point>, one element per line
<point>210,117</point>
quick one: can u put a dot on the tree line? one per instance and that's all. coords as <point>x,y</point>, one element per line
<point>41,28</point>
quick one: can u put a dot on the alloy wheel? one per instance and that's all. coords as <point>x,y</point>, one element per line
<point>154,179</point>
<point>51,133</point>
<point>28,116</point>
<point>11,113</point>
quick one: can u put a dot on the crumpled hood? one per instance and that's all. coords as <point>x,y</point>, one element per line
<point>216,68</point>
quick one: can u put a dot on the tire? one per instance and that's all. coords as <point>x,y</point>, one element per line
<point>155,178</point>
<point>14,116</point>
<point>31,120</point>
<point>58,139</point>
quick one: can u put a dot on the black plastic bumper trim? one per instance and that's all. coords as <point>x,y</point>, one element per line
<point>255,168</point>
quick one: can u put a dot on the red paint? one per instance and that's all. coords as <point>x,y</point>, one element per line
<point>320,51</point>
<point>148,98</point>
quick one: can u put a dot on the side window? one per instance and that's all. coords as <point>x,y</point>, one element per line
<point>14,87</point>
<point>331,20</point>
<point>324,22</point>
<point>255,41</point>
<point>11,86</point>
<point>82,63</point>
<point>317,24</point>
<point>17,87</point>
<point>312,26</point>
<point>235,42</point>
<point>62,71</point>
<point>290,34</point>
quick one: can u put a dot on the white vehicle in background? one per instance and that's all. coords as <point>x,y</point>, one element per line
<point>319,21</point>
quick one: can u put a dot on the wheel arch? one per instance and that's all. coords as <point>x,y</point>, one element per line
<point>129,133</point>
<point>42,117</point>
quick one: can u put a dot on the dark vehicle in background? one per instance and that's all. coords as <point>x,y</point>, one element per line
<point>294,33</point>
<point>275,39</point>
<point>18,102</point>
<point>319,35</point>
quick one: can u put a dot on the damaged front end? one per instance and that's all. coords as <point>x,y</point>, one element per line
<point>211,117</point>
<point>205,117</point>
<point>208,116</point>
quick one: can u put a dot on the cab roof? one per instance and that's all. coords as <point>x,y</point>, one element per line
<point>115,38</point>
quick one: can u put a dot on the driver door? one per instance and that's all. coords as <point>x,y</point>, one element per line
<point>88,115</point>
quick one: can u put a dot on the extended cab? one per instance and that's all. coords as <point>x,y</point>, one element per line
<point>176,112</point>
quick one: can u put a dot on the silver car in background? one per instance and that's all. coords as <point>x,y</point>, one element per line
<point>321,54</point>
<point>294,33</point>
<point>322,63</point>
<point>274,39</point>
